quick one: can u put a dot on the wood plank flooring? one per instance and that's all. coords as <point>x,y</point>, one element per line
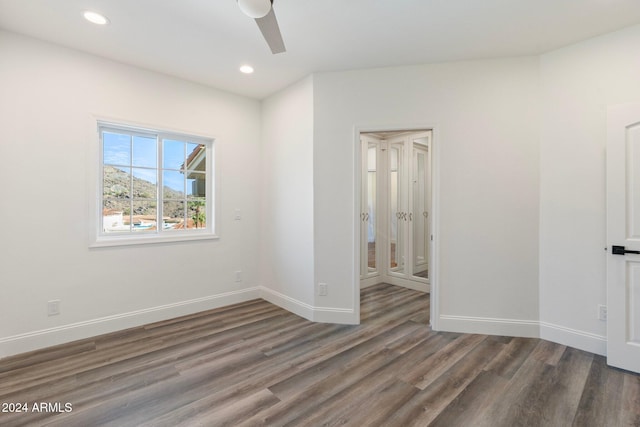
<point>255,364</point>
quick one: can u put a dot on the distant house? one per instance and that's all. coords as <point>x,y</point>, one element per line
<point>195,166</point>
<point>112,220</point>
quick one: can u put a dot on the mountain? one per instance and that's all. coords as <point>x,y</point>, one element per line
<point>117,196</point>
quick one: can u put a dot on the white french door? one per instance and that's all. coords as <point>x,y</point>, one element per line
<point>369,221</point>
<point>409,168</point>
<point>623,236</point>
<point>395,216</point>
<point>421,202</point>
<point>398,192</point>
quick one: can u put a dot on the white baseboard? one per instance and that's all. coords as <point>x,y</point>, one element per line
<point>63,334</point>
<point>342,316</point>
<point>396,281</point>
<point>489,326</point>
<point>290,304</point>
<point>410,284</point>
<point>475,325</point>
<point>309,312</point>
<point>370,281</point>
<point>574,338</point>
<point>525,328</point>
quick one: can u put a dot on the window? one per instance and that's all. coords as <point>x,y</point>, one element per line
<point>154,186</point>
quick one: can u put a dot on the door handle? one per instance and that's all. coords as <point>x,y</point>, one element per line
<point>620,250</point>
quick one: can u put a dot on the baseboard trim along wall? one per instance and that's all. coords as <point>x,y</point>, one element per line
<point>30,341</point>
<point>574,338</point>
<point>315,314</point>
<point>489,326</point>
<point>526,328</point>
<point>63,334</point>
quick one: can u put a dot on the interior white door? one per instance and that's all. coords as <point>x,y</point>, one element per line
<point>623,236</point>
<point>369,208</point>
<point>395,224</point>
<point>419,212</point>
<point>398,206</point>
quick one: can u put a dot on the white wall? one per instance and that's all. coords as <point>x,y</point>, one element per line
<point>486,118</point>
<point>287,198</point>
<point>48,97</point>
<point>578,83</point>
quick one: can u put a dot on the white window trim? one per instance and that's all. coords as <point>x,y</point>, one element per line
<point>99,239</point>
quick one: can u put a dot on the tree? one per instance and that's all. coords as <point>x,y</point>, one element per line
<point>198,216</point>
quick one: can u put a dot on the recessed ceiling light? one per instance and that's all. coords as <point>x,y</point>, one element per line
<point>95,17</point>
<point>247,69</point>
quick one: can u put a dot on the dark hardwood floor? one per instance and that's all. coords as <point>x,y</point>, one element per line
<point>256,364</point>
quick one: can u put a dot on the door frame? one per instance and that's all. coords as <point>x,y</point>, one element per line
<point>435,209</point>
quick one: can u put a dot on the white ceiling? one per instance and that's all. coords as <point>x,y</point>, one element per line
<point>207,40</point>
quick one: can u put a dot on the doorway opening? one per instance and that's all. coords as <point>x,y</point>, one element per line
<point>396,202</point>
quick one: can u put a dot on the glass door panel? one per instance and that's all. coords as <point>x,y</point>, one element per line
<point>397,212</point>
<point>420,211</point>
<point>371,208</point>
<point>369,252</point>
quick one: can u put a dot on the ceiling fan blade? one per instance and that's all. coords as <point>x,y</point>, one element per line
<point>271,31</point>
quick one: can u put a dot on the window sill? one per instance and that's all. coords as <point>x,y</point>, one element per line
<point>112,241</point>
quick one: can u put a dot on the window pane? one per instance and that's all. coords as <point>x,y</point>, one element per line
<point>144,216</point>
<point>173,154</point>
<point>116,182</point>
<point>196,184</point>
<point>116,149</point>
<point>145,184</point>
<point>173,183</point>
<point>173,215</point>
<point>145,151</point>
<point>196,214</point>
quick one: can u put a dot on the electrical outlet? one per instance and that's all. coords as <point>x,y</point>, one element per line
<point>53,307</point>
<point>239,276</point>
<point>602,312</point>
<point>322,289</point>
